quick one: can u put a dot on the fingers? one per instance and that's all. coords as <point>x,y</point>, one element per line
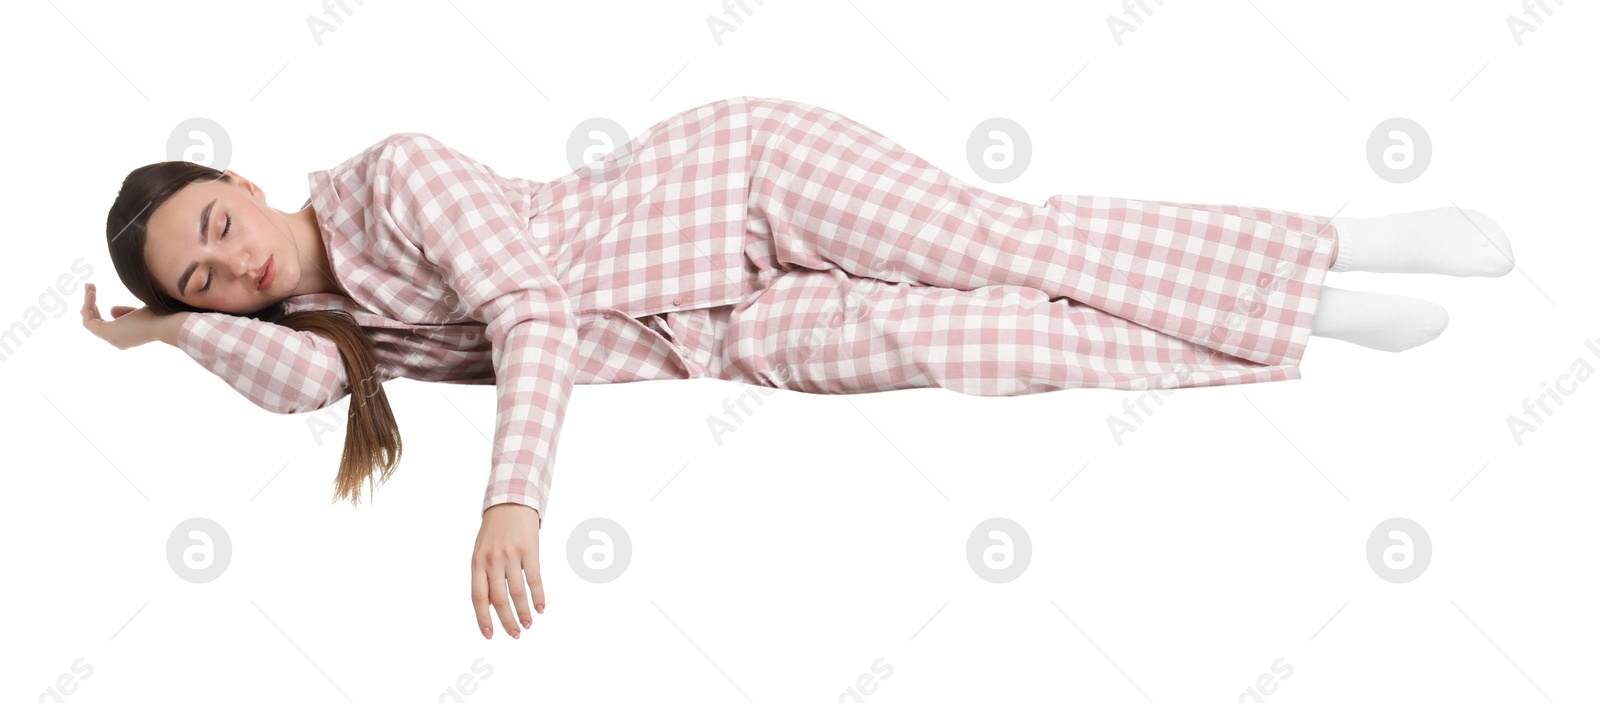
<point>489,589</point>
<point>519,594</point>
<point>537,584</point>
<point>498,578</point>
<point>90,312</point>
<point>535,581</point>
<point>480,600</point>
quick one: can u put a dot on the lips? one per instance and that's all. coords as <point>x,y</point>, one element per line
<point>266,275</point>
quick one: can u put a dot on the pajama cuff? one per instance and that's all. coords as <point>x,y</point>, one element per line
<point>1269,318</point>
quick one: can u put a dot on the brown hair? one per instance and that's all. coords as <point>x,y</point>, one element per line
<point>372,438</point>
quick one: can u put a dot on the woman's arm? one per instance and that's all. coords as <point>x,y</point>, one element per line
<point>279,369</point>
<point>455,210</point>
<point>167,327</point>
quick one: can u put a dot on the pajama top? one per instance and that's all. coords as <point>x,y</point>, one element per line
<point>460,274</point>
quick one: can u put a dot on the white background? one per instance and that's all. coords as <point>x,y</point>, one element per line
<point>829,532</point>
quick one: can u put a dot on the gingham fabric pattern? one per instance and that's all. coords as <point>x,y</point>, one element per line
<point>773,242</point>
<point>879,271</point>
<point>816,324</point>
<point>448,265</point>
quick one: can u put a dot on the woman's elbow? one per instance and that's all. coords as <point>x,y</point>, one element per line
<point>302,402</point>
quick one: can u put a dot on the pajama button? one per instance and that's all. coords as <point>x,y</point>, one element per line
<point>677,300</point>
<point>607,315</point>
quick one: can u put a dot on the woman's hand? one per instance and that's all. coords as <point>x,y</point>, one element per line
<point>130,327</point>
<point>507,552</point>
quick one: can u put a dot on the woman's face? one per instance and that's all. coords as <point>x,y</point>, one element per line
<point>219,269</point>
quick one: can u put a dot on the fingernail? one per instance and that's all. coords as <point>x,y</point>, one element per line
<point>540,609</point>
<point>488,633</point>
<point>527,623</point>
<point>516,634</point>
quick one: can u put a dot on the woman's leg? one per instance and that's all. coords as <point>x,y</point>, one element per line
<point>839,195</point>
<point>825,331</point>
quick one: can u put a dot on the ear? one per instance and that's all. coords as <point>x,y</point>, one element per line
<point>242,182</point>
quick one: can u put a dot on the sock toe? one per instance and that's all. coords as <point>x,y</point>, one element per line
<point>1435,320</point>
<point>1496,256</point>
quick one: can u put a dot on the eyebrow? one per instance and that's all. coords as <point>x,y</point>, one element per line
<point>205,217</point>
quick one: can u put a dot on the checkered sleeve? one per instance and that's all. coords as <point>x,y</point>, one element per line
<point>277,368</point>
<point>456,211</point>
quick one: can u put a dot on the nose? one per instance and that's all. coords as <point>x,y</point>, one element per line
<point>240,264</point>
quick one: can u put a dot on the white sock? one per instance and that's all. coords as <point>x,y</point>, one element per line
<point>1446,240</point>
<point>1377,320</point>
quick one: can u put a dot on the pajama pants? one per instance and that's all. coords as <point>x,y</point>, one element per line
<point>877,271</point>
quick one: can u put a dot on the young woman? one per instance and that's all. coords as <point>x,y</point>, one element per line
<point>757,240</point>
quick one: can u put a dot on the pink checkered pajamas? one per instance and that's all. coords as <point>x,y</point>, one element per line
<point>770,242</point>
<point>877,271</point>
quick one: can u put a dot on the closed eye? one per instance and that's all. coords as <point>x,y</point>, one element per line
<point>228,223</point>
